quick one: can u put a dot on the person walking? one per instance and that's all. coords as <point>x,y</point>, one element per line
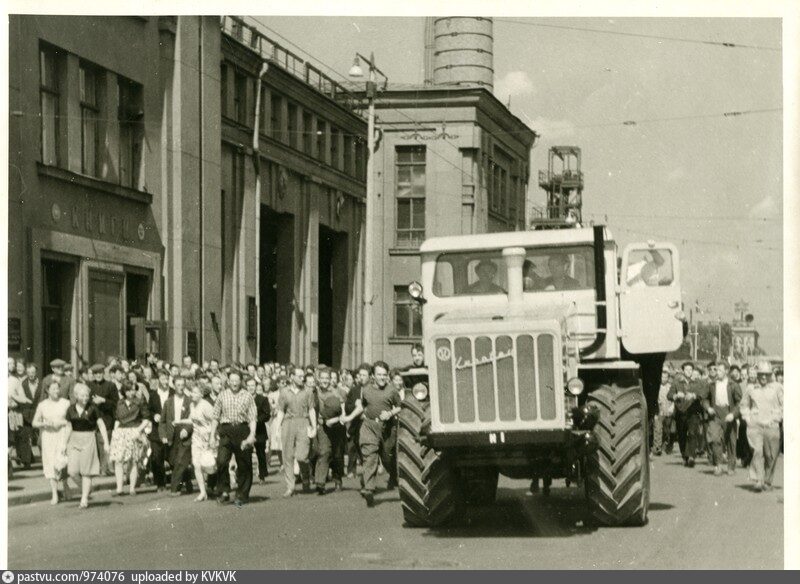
<point>274,428</point>
<point>175,431</point>
<point>262,418</point>
<point>105,396</point>
<point>235,418</point>
<point>662,430</point>
<point>83,461</point>
<point>127,444</point>
<point>380,404</point>
<point>203,442</point>
<point>26,396</point>
<point>158,449</point>
<point>331,437</point>
<point>762,409</point>
<point>297,418</point>
<point>353,419</point>
<point>688,411</point>
<point>722,406</point>
<point>51,420</point>
<point>65,382</point>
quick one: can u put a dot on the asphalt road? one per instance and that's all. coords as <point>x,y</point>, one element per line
<point>696,521</point>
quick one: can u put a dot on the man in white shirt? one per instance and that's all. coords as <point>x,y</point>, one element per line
<point>662,425</point>
<point>723,409</point>
<point>762,409</point>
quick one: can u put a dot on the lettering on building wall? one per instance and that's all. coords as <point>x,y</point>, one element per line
<point>92,222</point>
<point>14,334</point>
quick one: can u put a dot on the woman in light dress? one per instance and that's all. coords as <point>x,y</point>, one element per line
<point>203,443</point>
<point>273,429</point>
<point>128,440</point>
<point>80,443</point>
<point>51,420</point>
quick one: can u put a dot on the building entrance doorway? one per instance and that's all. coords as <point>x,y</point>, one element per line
<point>332,311</point>
<point>58,289</point>
<point>137,296</point>
<point>276,282</point>
<point>106,324</point>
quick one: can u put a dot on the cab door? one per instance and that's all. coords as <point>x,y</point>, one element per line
<point>650,298</point>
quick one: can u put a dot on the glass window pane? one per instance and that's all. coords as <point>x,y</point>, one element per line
<point>49,128</point>
<point>650,267</point>
<point>403,214</point>
<point>418,216</point>
<point>416,322</point>
<point>401,322</point>
<point>403,175</point>
<point>403,156</point>
<point>418,154</point>
<point>89,143</point>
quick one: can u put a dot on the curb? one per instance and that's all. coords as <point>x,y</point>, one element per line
<point>35,497</point>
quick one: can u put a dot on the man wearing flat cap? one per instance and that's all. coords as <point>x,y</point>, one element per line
<point>65,383</point>
<point>105,397</point>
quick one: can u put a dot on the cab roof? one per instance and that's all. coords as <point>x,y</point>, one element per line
<point>512,239</point>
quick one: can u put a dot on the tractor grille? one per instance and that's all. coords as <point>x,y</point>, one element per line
<point>496,378</point>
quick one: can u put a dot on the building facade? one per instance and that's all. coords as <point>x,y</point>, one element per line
<point>146,214</point>
<point>451,160</point>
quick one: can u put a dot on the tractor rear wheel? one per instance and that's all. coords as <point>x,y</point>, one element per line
<point>430,491</point>
<point>618,470</point>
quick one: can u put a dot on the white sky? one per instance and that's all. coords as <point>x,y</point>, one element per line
<point>710,185</point>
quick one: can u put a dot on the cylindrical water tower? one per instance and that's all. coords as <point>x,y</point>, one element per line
<point>463,51</point>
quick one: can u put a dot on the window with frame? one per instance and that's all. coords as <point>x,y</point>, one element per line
<point>131,131</point>
<point>334,147</point>
<point>275,122</point>
<point>348,154</point>
<point>361,158</point>
<point>410,194</point>
<point>89,77</point>
<point>308,129</point>
<point>49,61</point>
<point>223,88</point>
<point>240,97</point>
<point>499,182</point>
<point>322,150</point>
<point>263,122</point>
<point>293,130</point>
<point>407,316</point>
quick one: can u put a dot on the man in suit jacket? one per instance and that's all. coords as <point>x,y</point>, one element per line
<point>105,396</point>
<point>686,392</point>
<point>31,390</point>
<point>158,449</point>
<point>175,430</point>
<point>722,408</point>
<point>263,411</point>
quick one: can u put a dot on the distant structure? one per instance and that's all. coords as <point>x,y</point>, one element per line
<point>458,51</point>
<point>744,342</point>
<point>563,183</point>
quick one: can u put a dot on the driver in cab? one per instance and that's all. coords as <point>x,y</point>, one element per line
<point>486,270</point>
<point>559,279</point>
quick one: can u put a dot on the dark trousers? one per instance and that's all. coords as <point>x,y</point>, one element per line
<point>180,458</point>
<point>22,442</point>
<point>261,455</point>
<point>231,437</point>
<point>690,432</point>
<point>743,450</point>
<point>353,447</point>
<point>330,445</point>
<point>157,457</point>
<point>378,441</point>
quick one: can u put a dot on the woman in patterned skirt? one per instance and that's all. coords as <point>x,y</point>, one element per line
<point>203,443</point>
<point>127,443</point>
<point>51,419</point>
<point>81,445</point>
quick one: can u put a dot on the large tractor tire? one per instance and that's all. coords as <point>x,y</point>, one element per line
<point>430,491</point>
<point>618,470</point>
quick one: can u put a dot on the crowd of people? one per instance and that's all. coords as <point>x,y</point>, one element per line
<point>731,414</point>
<point>178,427</point>
<point>191,425</point>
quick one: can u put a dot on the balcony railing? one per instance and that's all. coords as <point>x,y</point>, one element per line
<point>251,37</point>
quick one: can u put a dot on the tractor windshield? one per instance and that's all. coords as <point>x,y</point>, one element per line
<point>484,272</point>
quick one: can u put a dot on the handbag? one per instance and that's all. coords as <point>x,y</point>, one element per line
<point>208,462</point>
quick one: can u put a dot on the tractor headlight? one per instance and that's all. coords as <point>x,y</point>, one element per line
<point>575,386</point>
<point>420,391</point>
<point>415,290</point>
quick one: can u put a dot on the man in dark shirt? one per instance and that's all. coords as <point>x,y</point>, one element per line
<point>380,403</point>
<point>262,417</point>
<point>331,437</point>
<point>105,396</point>
<point>353,420</point>
<point>687,395</point>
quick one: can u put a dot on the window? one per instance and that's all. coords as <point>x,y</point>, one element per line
<point>513,197</point>
<point>293,130</point>
<point>348,154</point>
<point>240,97</point>
<point>89,113</point>
<point>410,179</point>
<point>334,147</point>
<point>131,132</point>
<point>223,88</point>
<point>275,116</point>
<point>263,122</point>
<point>499,182</point>
<point>649,267</point>
<point>361,159</point>
<point>49,96</point>
<point>308,128</point>
<point>407,316</point>
<point>322,150</point>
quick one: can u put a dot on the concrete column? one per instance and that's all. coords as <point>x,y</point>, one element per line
<point>284,130</point>
<point>70,122</point>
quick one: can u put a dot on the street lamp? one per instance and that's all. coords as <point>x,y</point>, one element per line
<point>356,72</point>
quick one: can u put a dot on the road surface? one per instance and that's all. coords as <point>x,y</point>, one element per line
<point>696,520</point>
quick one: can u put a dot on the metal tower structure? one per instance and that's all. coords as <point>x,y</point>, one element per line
<point>563,182</point>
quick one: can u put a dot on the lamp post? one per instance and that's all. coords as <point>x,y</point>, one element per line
<point>369,228</point>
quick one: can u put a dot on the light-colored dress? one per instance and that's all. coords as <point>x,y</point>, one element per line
<point>273,429</point>
<point>50,412</point>
<point>202,415</point>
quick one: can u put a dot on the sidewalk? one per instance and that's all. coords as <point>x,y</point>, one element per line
<point>30,486</point>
